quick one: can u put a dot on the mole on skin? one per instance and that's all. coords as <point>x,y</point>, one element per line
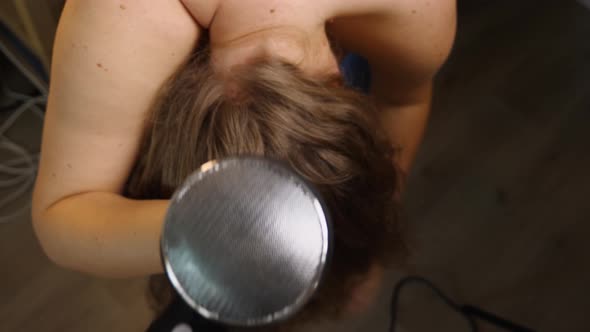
<point>99,65</point>
<point>122,7</point>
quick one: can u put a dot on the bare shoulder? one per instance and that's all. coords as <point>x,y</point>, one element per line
<point>395,24</point>
<point>393,8</point>
<point>405,39</point>
<point>110,58</point>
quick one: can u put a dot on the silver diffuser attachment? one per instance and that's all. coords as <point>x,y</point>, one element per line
<point>245,241</point>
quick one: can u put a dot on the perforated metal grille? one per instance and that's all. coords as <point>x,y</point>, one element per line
<point>245,241</point>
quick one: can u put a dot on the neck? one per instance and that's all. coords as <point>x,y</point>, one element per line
<point>308,50</point>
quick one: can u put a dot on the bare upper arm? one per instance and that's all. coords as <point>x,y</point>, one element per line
<point>110,58</point>
<point>406,41</point>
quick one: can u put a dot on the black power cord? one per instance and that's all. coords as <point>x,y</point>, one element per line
<point>469,312</point>
<point>178,312</point>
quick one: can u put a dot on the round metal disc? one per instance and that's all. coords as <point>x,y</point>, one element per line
<point>245,241</point>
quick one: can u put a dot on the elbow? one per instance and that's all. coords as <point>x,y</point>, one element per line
<point>51,246</point>
<point>56,248</point>
<point>64,248</point>
<point>50,236</point>
<point>45,221</point>
<point>54,256</point>
<point>42,231</point>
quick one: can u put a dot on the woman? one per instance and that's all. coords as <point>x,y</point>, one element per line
<point>133,109</point>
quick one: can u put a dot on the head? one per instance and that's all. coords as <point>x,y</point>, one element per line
<point>326,132</point>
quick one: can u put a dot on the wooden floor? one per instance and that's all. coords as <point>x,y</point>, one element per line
<point>497,203</point>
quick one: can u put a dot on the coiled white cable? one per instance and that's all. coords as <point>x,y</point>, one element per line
<point>22,169</point>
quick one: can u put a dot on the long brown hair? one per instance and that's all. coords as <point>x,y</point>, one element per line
<point>327,133</point>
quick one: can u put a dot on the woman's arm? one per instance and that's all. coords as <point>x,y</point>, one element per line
<point>406,42</point>
<point>110,58</point>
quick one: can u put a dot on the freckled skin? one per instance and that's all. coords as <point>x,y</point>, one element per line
<point>131,43</point>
